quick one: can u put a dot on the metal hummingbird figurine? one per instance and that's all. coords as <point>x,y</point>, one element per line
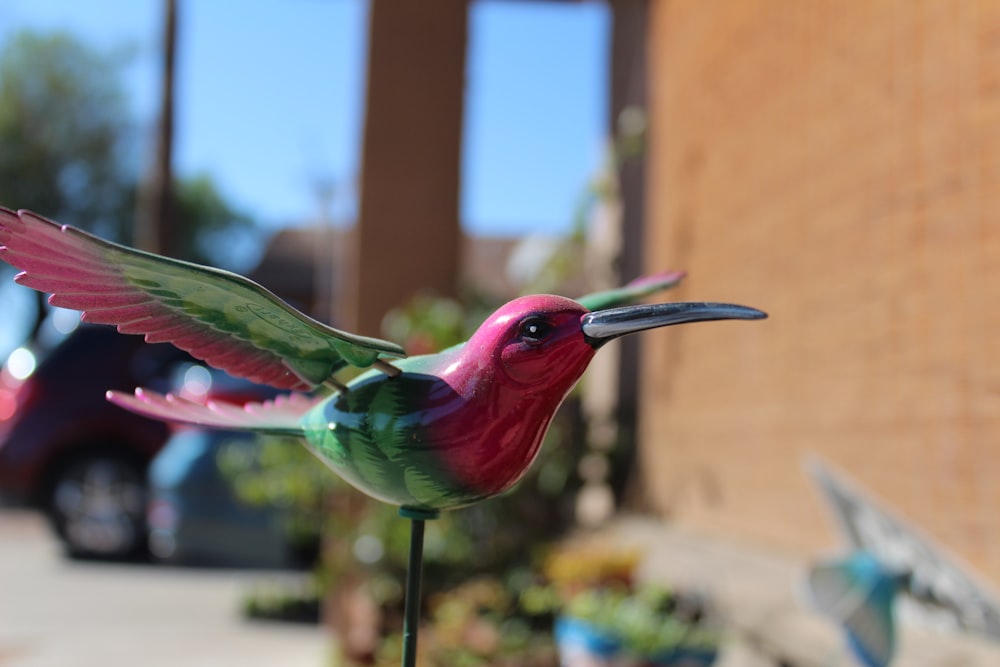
<point>858,591</point>
<point>427,433</point>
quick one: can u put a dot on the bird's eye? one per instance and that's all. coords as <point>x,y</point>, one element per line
<point>534,330</point>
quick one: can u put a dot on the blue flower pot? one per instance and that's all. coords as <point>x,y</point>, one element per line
<point>582,644</point>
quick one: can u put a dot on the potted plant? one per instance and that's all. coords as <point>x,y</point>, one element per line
<point>606,619</point>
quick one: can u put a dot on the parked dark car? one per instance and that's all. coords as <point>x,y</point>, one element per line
<point>67,451</point>
<point>195,515</point>
<point>196,518</point>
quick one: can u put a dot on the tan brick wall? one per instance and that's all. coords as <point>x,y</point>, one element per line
<point>836,164</point>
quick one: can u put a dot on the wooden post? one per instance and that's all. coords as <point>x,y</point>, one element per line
<point>408,223</point>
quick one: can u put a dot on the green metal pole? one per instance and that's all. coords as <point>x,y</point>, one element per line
<point>414,574</point>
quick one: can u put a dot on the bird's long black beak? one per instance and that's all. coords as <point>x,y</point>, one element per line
<point>603,325</point>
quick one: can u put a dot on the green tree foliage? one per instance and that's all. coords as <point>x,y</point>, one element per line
<point>69,151</point>
<point>64,126</point>
<point>68,148</point>
<point>208,228</point>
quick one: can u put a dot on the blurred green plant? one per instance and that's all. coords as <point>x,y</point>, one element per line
<point>476,624</point>
<point>593,589</point>
<point>649,622</point>
<point>284,602</point>
<point>280,472</point>
<point>429,323</point>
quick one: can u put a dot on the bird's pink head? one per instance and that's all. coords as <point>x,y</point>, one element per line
<point>520,365</point>
<point>534,343</point>
<point>543,343</point>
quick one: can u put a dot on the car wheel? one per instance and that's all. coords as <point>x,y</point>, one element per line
<point>97,507</point>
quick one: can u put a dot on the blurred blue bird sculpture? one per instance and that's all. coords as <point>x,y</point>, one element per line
<point>858,592</point>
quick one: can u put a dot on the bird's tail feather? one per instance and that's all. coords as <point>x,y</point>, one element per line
<point>280,416</point>
<point>632,292</point>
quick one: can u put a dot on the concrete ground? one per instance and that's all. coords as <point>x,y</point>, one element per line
<point>59,613</point>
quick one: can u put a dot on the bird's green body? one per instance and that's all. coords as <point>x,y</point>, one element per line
<point>378,437</point>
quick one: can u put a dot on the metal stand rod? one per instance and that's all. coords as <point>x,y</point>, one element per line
<point>414,575</point>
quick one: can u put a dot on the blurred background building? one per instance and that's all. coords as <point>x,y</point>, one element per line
<point>835,165</point>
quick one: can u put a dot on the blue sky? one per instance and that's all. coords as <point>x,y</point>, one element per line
<point>270,96</point>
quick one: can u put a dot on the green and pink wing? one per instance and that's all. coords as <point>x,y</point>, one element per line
<point>224,319</point>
